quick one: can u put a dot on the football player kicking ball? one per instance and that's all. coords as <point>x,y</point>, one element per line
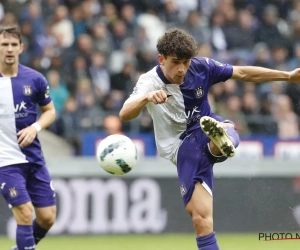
<point>24,179</point>
<point>187,132</point>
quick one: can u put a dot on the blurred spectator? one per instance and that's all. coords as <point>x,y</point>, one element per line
<point>170,12</point>
<point>14,7</point>
<point>250,108</point>
<point>128,16</point>
<point>270,30</point>
<point>62,27</point>
<point>262,55</point>
<point>123,81</point>
<point>33,15</point>
<point>186,6</point>
<point>99,74</point>
<point>244,36</point>
<point>218,39</point>
<point>58,90</point>
<point>195,25</point>
<point>49,7</point>
<point>112,125</point>
<point>232,111</point>
<point>78,21</point>
<point>92,53</point>
<point>90,115</point>
<point>102,39</point>
<point>1,12</point>
<point>280,58</point>
<point>288,127</point>
<point>293,91</point>
<point>9,18</point>
<point>71,123</point>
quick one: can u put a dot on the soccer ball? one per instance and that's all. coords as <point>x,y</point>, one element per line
<point>117,154</point>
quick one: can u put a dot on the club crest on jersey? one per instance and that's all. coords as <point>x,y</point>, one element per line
<point>27,90</point>
<point>182,190</point>
<point>199,92</point>
<point>13,192</point>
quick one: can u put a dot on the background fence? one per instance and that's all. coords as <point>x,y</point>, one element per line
<point>249,196</point>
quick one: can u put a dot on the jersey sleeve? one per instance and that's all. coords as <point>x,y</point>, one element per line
<point>143,87</point>
<point>43,91</point>
<point>219,72</point>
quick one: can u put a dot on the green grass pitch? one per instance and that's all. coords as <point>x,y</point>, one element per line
<point>155,242</point>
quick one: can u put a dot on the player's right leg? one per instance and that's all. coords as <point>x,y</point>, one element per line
<point>195,174</point>
<point>41,191</point>
<point>200,208</point>
<point>13,189</point>
<point>23,216</point>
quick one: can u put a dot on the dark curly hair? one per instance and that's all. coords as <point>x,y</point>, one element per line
<point>177,42</point>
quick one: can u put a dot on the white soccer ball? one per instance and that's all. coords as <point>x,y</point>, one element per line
<point>117,154</point>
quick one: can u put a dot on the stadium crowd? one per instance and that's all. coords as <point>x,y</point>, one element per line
<point>93,51</point>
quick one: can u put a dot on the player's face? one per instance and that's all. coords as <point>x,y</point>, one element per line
<point>174,68</point>
<point>10,49</point>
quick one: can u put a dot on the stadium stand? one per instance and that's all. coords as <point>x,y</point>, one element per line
<point>93,51</point>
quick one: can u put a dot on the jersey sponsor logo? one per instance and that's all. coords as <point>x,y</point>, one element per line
<point>47,92</point>
<point>199,92</point>
<point>182,190</point>
<point>214,61</point>
<point>186,117</point>
<point>13,193</point>
<point>4,109</point>
<point>27,90</point>
<point>18,110</point>
<point>217,63</point>
<point>2,185</point>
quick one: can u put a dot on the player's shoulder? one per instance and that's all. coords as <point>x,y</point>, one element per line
<point>200,61</point>
<point>203,64</point>
<point>150,77</point>
<point>29,72</point>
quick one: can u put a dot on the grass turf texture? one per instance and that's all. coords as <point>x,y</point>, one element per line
<point>155,242</point>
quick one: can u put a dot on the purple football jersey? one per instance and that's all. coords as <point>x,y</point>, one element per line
<point>19,97</point>
<point>194,160</point>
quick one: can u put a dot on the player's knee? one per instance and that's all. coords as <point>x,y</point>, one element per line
<point>48,218</point>
<point>23,214</point>
<point>202,225</point>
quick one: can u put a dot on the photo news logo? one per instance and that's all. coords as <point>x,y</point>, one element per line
<point>278,236</point>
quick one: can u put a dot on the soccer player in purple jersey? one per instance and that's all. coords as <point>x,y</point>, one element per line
<point>186,131</point>
<point>24,179</point>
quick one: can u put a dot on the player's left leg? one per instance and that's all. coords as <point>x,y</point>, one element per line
<point>42,194</point>
<point>45,218</point>
<point>223,135</point>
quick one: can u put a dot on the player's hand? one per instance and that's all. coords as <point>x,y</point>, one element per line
<point>26,136</point>
<point>157,97</point>
<point>295,76</point>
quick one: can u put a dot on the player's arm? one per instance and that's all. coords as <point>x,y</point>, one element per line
<point>260,74</point>
<point>132,108</point>
<point>47,117</point>
<point>28,134</point>
<point>134,105</point>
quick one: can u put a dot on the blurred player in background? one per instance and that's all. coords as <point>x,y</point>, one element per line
<point>24,179</point>
<point>187,132</point>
